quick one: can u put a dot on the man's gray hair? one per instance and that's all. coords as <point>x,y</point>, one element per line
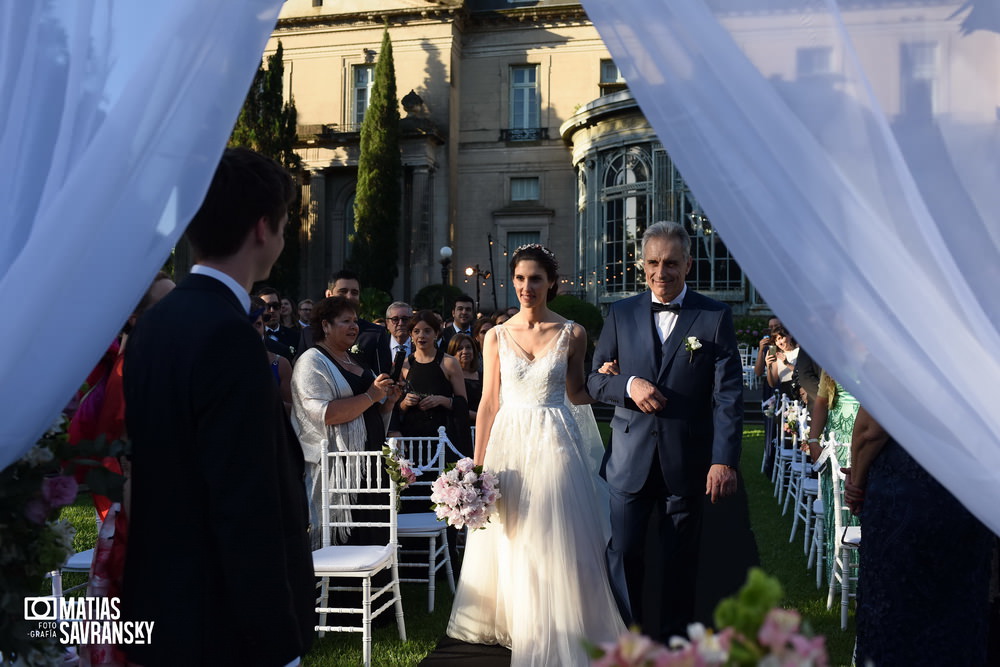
<point>398,304</point>
<point>668,231</point>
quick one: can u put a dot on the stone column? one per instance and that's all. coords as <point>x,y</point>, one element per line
<point>314,236</point>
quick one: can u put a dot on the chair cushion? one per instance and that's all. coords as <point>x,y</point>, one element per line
<point>79,562</point>
<point>810,486</point>
<point>818,507</point>
<point>351,558</point>
<point>852,536</point>
<point>420,523</point>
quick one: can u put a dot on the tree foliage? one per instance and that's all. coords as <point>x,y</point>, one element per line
<point>267,125</point>
<point>375,242</point>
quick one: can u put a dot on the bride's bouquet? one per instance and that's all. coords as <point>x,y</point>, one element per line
<point>465,495</point>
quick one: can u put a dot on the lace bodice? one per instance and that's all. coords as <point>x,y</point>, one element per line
<point>538,382</point>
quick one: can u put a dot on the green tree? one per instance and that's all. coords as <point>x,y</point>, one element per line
<point>267,125</point>
<point>375,242</point>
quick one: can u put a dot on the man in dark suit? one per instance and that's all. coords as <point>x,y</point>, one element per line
<point>462,314</point>
<point>373,340</point>
<point>677,428</point>
<point>277,338</point>
<point>219,555</point>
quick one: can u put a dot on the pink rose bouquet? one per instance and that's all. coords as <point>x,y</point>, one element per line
<point>465,495</point>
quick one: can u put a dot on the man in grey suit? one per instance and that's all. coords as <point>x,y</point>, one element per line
<point>677,428</point>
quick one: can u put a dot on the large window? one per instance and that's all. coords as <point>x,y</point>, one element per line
<point>918,71</point>
<point>525,110</point>
<point>524,189</point>
<point>627,199</point>
<point>611,78</point>
<point>514,241</point>
<point>640,185</point>
<point>364,77</point>
<point>813,61</point>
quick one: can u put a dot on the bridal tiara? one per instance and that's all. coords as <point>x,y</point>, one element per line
<point>537,246</point>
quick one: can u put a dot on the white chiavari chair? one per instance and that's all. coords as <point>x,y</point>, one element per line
<point>358,494</point>
<point>417,520</point>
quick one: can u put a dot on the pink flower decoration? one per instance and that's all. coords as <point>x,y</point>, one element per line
<point>37,511</point>
<point>778,628</point>
<point>59,491</point>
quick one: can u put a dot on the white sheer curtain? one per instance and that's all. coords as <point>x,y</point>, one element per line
<point>849,154</point>
<point>112,118</point>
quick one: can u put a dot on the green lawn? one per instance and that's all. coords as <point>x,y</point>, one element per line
<point>785,560</point>
<point>778,557</point>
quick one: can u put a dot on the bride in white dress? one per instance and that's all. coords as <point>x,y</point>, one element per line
<point>534,580</point>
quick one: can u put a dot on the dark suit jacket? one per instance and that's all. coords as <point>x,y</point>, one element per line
<point>218,554</point>
<point>807,374</point>
<point>374,343</point>
<point>447,334</point>
<point>702,423</point>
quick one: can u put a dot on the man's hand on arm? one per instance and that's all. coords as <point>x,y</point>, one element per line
<point>721,482</point>
<point>645,395</point>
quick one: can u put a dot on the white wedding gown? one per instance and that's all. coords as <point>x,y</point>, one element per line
<point>534,580</point>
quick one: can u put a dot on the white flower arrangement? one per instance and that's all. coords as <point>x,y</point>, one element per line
<point>355,349</point>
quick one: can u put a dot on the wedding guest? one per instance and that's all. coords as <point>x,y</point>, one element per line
<point>923,556</point>
<point>435,387</point>
<point>305,313</point>
<point>337,400</point>
<point>479,329</point>
<point>462,314</point>
<point>277,338</point>
<point>806,377</point>
<point>102,412</point>
<point>500,317</point>
<point>305,331</point>
<point>780,361</point>
<point>287,315</point>
<point>833,413</point>
<point>465,350</point>
<point>767,391</point>
<point>280,367</point>
<point>371,337</point>
<point>215,469</point>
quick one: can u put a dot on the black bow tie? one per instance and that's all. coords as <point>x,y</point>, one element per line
<point>662,307</point>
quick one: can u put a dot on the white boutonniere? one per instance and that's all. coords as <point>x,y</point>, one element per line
<point>355,349</point>
<point>691,344</point>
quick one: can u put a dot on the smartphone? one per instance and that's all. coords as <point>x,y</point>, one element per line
<point>772,349</point>
<point>397,367</point>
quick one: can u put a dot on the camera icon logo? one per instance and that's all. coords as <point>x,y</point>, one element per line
<point>40,609</point>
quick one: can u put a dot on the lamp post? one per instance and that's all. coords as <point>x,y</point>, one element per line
<point>445,254</point>
<point>480,275</point>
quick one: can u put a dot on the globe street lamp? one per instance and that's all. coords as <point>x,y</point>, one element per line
<point>445,254</point>
<point>480,275</point>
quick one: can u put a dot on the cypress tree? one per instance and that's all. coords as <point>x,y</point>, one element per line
<point>267,125</point>
<point>375,241</point>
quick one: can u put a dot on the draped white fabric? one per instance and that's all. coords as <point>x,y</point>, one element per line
<point>112,118</point>
<point>848,153</point>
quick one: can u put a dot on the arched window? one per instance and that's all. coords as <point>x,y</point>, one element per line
<point>626,198</point>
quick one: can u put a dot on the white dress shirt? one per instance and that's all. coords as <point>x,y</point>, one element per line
<point>228,281</point>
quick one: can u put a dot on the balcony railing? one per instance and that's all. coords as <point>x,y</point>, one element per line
<point>524,134</point>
